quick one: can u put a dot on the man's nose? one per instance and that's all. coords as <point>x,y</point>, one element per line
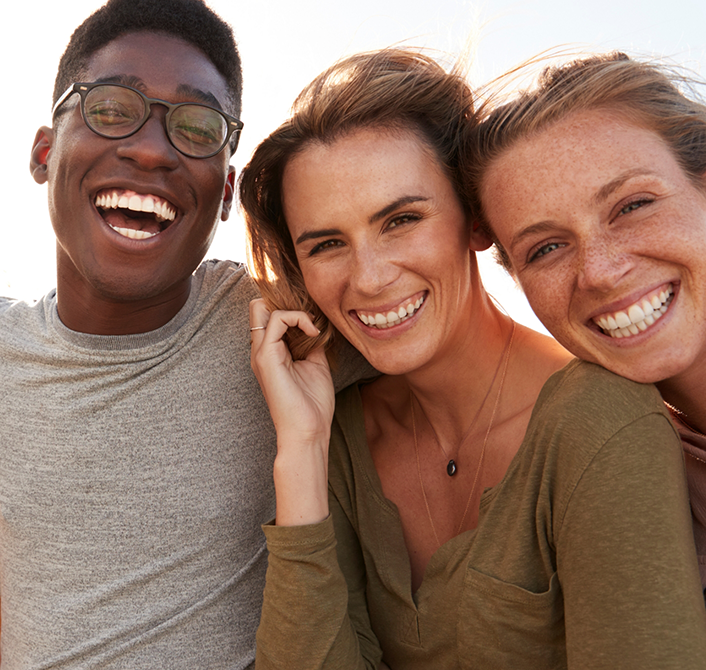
<point>150,146</point>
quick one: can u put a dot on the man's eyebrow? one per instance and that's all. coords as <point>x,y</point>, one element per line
<point>400,202</point>
<point>190,92</point>
<point>125,79</point>
<point>197,94</point>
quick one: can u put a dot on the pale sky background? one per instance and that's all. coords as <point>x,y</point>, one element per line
<point>284,44</point>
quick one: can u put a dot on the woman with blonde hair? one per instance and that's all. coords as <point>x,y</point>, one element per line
<point>422,528</point>
<point>593,185</point>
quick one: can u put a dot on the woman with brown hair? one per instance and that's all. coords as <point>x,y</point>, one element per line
<point>420,529</point>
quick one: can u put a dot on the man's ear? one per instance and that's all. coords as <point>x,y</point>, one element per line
<point>41,147</point>
<point>480,239</point>
<point>228,193</point>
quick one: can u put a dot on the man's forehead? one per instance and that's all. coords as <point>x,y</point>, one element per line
<point>160,64</point>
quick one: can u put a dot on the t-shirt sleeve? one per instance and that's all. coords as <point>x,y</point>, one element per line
<point>626,557</point>
<point>5,304</point>
<point>349,366</point>
<point>313,616</point>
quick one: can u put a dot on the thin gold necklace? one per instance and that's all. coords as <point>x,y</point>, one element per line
<point>503,362</point>
<point>683,418</point>
<point>452,465</point>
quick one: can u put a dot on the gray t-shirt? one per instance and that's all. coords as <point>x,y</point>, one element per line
<point>135,472</point>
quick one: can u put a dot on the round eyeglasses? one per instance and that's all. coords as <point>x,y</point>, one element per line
<point>116,111</point>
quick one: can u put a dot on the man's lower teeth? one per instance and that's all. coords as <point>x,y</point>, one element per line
<point>133,234</point>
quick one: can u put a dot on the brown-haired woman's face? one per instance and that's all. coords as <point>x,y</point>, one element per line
<point>383,244</point>
<point>607,236</point>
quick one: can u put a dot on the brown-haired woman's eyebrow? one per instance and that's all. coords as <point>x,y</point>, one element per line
<point>315,234</point>
<point>400,202</point>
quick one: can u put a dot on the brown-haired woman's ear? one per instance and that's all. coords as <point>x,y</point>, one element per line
<point>480,239</point>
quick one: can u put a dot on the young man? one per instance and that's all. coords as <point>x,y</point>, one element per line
<point>136,448</point>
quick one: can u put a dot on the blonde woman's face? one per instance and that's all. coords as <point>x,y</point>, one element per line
<point>607,236</point>
<point>383,244</point>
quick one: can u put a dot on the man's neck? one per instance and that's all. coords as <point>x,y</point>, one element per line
<point>101,316</point>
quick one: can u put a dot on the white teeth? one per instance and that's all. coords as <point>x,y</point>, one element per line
<point>136,203</point>
<point>133,234</point>
<point>636,314</point>
<point>638,317</point>
<point>392,318</point>
<point>622,319</point>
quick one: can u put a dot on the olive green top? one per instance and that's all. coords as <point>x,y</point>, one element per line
<point>583,556</point>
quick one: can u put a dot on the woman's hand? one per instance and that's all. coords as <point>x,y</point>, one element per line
<point>300,397</point>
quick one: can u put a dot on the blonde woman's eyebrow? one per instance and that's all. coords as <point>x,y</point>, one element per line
<point>613,185</point>
<point>535,228</point>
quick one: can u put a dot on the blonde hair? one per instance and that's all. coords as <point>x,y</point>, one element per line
<point>648,94</point>
<point>394,88</point>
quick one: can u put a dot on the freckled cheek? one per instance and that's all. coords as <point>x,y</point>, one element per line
<point>550,301</point>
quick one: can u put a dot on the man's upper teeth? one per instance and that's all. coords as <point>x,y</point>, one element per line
<point>393,317</point>
<point>135,202</point>
<point>638,317</point>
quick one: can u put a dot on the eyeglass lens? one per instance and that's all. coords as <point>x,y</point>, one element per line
<point>114,111</point>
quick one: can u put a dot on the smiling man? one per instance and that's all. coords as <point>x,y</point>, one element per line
<point>136,447</point>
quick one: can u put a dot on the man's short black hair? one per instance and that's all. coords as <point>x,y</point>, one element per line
<point>189,20</point>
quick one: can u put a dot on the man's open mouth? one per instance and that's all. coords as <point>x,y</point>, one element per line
<point>135,215</point>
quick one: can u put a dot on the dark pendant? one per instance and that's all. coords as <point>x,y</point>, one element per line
<point>451,468</point>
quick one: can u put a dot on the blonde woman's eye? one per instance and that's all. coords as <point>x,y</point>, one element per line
<point>632,206</point>
<point>544,250</point>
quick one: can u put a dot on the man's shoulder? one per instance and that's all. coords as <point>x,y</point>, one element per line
<point>5,303</point>
<point>226,279</point>
<point>222,294</point>
<point>16,311</point>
